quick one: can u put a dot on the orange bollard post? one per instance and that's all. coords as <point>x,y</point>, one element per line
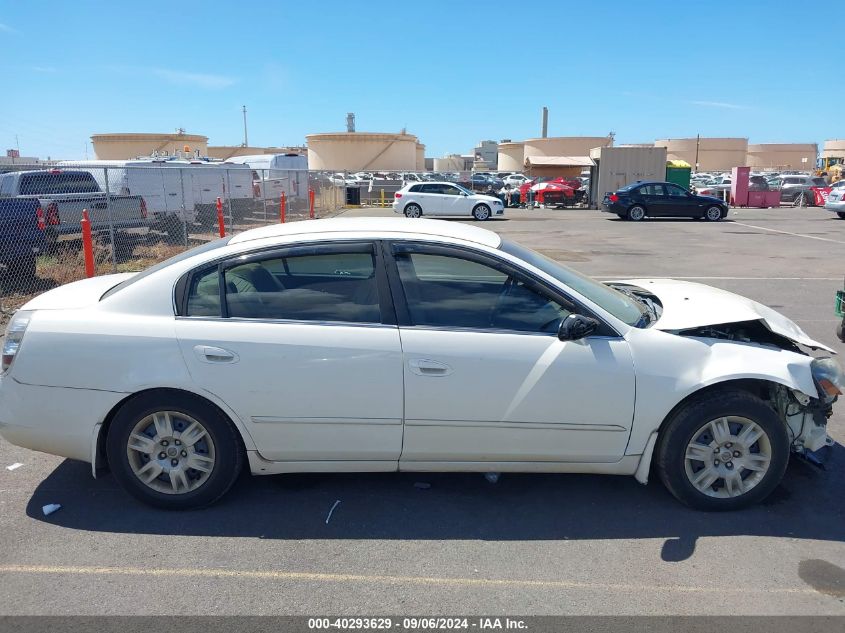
<point>282,204</point>
<point>311,203</point>
<point>221,224</point>
<point>87,244</point>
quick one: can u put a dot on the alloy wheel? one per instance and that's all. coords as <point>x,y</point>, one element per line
<point>727,457</point>
<point>171,452</point>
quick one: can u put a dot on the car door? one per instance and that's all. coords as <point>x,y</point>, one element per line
<point>486,377</point>
<point>423,196</point>
<point>455,202</point>
<point>681,202</point>
<point>301,343</point>
<point>654,197</point>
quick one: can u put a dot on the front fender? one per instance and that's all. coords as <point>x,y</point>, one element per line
<point>670,368</point>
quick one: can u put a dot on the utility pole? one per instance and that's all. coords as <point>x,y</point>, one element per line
<point>697,144</point>
<point>246,142</point>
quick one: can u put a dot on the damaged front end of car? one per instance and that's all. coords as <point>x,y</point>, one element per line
<point>805,415</point>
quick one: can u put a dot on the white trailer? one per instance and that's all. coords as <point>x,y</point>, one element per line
<point>274,174</point>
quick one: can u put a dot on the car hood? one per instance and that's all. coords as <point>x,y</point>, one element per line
<point>79,294</point>
<point>689,305</point>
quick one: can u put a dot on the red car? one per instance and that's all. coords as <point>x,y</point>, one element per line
<point>556,190</point>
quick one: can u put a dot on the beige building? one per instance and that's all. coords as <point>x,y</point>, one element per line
<point>714,154</point>
<point>131,145</point>
<point>798,156</point>
<point>225,152</point>
<point>511,156</point>
<point>359,151</point>
<point>834,148</point>
<point>450,162</point>
<point>420,157</point>
<point>564,145</point>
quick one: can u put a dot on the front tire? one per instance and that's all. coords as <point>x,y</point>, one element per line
<point>841,214</point>
<point>481,212</point>
<point>713,214</point>
<point>635,213</point>
<point>173,450</point>
<point>413,210</point>
<point>724,451</point>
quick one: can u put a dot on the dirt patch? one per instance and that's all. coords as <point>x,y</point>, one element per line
<point>822,576</point>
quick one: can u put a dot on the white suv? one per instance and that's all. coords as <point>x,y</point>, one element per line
<point>445,199</point>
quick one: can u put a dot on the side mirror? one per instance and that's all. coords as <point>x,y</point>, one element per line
<point>576,326</point>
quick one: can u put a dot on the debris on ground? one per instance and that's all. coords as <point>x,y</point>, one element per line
<point>14,466</point>
<point>492,477</point>
<point>50,508</point>
<point>422,485</point>
<point>328,518</point>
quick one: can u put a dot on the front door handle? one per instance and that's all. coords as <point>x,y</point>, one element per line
<point>428,367</point>
<point>210,354</point>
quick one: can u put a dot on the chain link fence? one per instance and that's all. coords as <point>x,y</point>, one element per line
<point>144,211</point>
<point>138,214</point>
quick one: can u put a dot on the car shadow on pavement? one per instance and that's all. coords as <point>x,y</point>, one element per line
<point>441,506</point>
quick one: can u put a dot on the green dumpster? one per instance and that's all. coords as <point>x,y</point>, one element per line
<point>678,171</point>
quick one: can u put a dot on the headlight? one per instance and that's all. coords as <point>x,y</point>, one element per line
<point>14,335</point>
<point>829,376</point>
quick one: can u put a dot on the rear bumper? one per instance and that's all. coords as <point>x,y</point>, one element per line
<point>612,207</point>
<point>52,420</point>
<point>838,207</point>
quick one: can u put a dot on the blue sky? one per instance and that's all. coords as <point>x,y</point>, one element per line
<point>451,72</point>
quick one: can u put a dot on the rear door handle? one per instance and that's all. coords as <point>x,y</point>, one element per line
<point>428,367</point>
<point>210,354</point>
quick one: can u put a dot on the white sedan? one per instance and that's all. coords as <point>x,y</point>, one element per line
<point>445,199</point>
<point>515,180</point>
<point>395,345</point>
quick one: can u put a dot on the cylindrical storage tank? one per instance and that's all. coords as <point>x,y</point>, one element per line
<point>420,160</point>
<point>782,156</point>
<point>713,153</point>
<point>510,157</point>
<point>564,145</point>
<point>132,145</point>
<point>834,148</point>
<point>358,151</point>
<point>449,163</point>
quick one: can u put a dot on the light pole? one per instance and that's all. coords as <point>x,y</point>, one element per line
<point>246,142</point>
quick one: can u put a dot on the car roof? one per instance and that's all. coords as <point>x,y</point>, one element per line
<point>420,227</point>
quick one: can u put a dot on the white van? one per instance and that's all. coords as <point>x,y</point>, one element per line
<point>276,173</point>
<point>177,187</point>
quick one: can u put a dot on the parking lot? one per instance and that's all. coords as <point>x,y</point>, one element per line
<point>529,544</point>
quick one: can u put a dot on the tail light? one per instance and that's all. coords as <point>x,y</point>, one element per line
<point>143,208</point>
<point>613,197</point>
<point>397,195</point>
<point>39,217</point>
<point>14,335</point>
<point>52,214</point>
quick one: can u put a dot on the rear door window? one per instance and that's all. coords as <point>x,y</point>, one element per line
<point>333,283</point>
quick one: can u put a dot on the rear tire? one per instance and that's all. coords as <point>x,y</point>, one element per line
<point>135,455</point>
<point>413,210</point>
<point>635,213</point>
<point>705,460</point>
<point>841,214</point>
<point>481,212</point>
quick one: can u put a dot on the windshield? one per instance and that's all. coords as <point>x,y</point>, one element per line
<point>51,183</point>
<point>464,189</point>
<point>622,306</point>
